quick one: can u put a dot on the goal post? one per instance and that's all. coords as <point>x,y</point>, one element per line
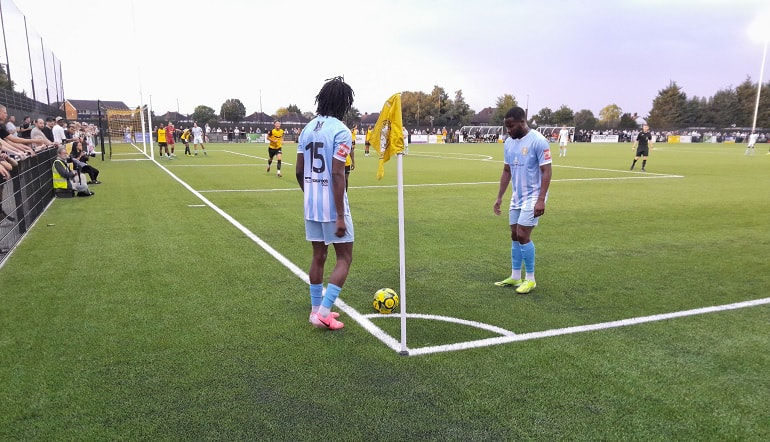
<point>127,126</point>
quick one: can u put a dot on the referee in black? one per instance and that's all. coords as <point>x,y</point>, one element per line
<point>642,146</point>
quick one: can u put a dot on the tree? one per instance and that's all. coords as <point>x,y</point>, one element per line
<point>293,108</point>
<point>585,120</point>
<point>627,121</point>
<point>5,83</point>
<point>438,106</point>
<point>352,117</point>
<point>564,115</point>
<point>233,110</point>
<point>281,112</point>
<point>543,116</point>
<point>204,115</point>
<point>460,113</point>
<point>668,108</point>
<point>746,93</point>
<point>720,108</point>
<point>502,106</point>
<point>609,116</point>
<point>414,108</point>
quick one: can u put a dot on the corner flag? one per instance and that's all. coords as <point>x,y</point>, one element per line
<point>387,135</point>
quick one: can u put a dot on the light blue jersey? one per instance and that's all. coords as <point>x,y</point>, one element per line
<point>323,140</point>
<point>525,156</point>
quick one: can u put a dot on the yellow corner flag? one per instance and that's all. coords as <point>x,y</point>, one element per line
<point>387,135</point>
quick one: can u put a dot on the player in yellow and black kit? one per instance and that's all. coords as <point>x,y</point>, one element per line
<point>185,137</point>
<point>162,141</point>
<point>275,136</point>
<point>350,160</point>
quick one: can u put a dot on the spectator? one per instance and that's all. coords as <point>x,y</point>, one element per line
<point>63,183</point>
<point>59,134</point>
<point>80,159</point>
<point>10,126</point>
<point>26,128</point>
<point>37,133</point>
<point>48,128</point>
<point>19,146</point>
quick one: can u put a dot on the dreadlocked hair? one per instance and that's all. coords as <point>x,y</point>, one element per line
<point>335,98</point>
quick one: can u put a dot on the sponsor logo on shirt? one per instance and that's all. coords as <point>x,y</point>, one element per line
<point>343,150</point>
<point>547,154</point>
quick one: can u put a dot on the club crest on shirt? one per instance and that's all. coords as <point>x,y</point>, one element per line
<point>343,150</point>
<point>524,150</point>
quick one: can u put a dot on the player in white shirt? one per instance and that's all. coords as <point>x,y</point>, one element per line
<point>527,167</point>
<point>197,134</point>
<point>322,148</point>
<point>752,141</point>
<point>563,141</point>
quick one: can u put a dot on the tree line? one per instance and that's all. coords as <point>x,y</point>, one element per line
<point>671,109</point>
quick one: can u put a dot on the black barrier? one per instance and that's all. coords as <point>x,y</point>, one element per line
<point>24,198</point>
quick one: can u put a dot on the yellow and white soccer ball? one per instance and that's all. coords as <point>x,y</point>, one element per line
<point>385,300</point>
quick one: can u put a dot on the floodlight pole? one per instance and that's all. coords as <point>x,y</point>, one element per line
<point>759,86</point>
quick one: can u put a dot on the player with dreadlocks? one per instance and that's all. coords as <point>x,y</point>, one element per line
<point>324,144</point>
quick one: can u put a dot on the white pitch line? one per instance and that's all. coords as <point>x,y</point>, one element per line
<point>584,328</point>
<point>252,156</point>
<point>350,311</point>
<point>391,186</point>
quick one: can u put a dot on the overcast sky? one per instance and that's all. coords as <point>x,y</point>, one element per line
<point>585,54</point>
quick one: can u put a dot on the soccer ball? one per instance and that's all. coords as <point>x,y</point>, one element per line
<point>385,300</point>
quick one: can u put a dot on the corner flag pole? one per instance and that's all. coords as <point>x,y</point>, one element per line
<point>401,249</point>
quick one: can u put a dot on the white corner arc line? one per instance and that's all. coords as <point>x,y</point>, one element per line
<point>585,328</point>
<point>475,324</point>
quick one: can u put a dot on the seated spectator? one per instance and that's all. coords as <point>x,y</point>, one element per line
<point>63,183</point>
<point>80,159</point>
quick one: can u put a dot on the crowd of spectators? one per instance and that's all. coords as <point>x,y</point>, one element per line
<point>23,142</point>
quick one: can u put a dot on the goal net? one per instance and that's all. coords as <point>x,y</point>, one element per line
<point>126,134</point>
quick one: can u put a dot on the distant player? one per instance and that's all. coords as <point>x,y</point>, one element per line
<point>275,136</point>
<point>162,144</point>
<point>185,137</point>
<point>752,141</point>
<point>197,134</point>
<point>170,132</point>
<point>642,146</point>
<point>366,141</point>
<point>323,146</point>
<point>563,140</point>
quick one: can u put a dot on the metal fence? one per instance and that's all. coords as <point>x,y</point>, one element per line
<point>24,197</point>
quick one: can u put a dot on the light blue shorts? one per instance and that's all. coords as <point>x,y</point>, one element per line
<point>316,231</point>
<point>522,217</point>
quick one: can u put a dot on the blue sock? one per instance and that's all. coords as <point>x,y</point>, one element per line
<point>332,291</point>
<point>316,296</point>
<point>516,260</point>
<point>528,254</point>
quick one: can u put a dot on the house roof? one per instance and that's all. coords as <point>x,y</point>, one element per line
<point>483,117</point>
<point>259,117</point>
<point>370,118</point>
<point>293,117</point>
<point>91,105</point>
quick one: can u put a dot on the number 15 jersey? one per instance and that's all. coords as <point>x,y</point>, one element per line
<point>323,140</point>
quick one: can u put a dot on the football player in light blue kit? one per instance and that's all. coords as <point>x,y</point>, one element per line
<point>528,169</point>
<point>324,144</point>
